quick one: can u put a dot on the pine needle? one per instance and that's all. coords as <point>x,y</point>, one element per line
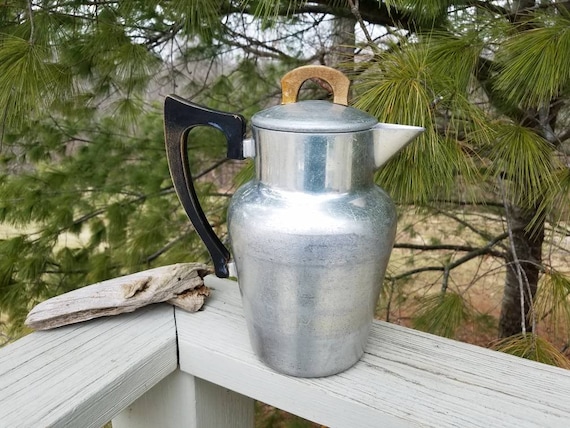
<point>441,314</point>
<point>535,62</point>
<point>456,56</point>
<point>532,347</point>
<point>552,303</point>
<point>245,174</point>
<point>424,11</point>
<point>200,16</point>
<point>524,158</point>
<point>30,81</point>
<point>403,86</point>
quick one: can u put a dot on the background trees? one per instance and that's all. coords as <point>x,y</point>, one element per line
<point>85,193</point>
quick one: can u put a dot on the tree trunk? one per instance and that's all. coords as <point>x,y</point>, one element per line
<point>523,268</point>
<point>343,42</point>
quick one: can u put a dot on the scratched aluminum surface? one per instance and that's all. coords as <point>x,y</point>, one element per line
<point>311,237</point>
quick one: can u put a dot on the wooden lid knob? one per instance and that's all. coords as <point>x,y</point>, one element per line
<point>292,81</point>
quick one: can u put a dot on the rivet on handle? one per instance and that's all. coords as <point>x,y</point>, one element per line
<point>292,81</point>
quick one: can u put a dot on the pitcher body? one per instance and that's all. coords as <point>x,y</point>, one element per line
<point>311,237</point>
<point>310,270</point>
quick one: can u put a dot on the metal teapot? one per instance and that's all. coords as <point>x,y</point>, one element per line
<point>311,234</point>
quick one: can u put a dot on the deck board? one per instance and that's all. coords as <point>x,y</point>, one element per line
<point>82,375</point>
<point>406,378</point>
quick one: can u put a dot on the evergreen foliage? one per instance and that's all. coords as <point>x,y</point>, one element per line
<point>441,314</point>
<point>85,192</point>
<point>532,347</point>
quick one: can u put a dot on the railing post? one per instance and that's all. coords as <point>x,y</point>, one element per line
<point>184,401</point>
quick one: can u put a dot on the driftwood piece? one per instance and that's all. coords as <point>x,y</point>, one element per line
<point>180,284</point>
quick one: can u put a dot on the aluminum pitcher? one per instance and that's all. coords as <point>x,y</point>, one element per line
<point>311,234</point>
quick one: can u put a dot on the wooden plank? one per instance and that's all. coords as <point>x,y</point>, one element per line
<point>406,378</point>
<point>183,401</point>
<point>82,375</point>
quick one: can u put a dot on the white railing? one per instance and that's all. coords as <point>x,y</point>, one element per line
<point>162,367</point>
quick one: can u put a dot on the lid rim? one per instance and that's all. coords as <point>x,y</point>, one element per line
<point>309,131</point>
<point>313,116</point>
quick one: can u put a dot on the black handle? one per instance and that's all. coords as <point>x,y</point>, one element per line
<point>180,116</point>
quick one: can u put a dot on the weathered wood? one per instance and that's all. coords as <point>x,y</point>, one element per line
<point>180,284</point>
<point>406,378</point>
<point>183,401</point>
<point>83,375</point>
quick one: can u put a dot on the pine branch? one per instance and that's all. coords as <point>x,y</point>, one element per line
<point>205,80</point>
<point>463,203</point>
<point>257,51</point>
<point>565,136</point>
<point>66,272</point>
<point>414,272</point>
<point>488,6</point>
<point>514,16</point>
<point>267,48</point>
<point>354,8</point>
<point>167,247</point>
<point>371,11</point>
<point>448,247</point>
<point>464,223</point>
<point>163,37</point>
<point>476,252</point>
<point>31,19</point>
<point>480,251</point>
<point>255,46</point>
<point>484,73</point>
<point>138,198</point>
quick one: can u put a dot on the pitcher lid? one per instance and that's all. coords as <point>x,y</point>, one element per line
<point>314,116</point>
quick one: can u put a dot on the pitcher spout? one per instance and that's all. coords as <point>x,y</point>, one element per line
<point>390,138</point>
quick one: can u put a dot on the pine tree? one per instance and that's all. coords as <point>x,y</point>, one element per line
<point>84,178</point>
<point>491,86</point>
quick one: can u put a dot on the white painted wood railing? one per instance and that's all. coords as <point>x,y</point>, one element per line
<point>162,367</point>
